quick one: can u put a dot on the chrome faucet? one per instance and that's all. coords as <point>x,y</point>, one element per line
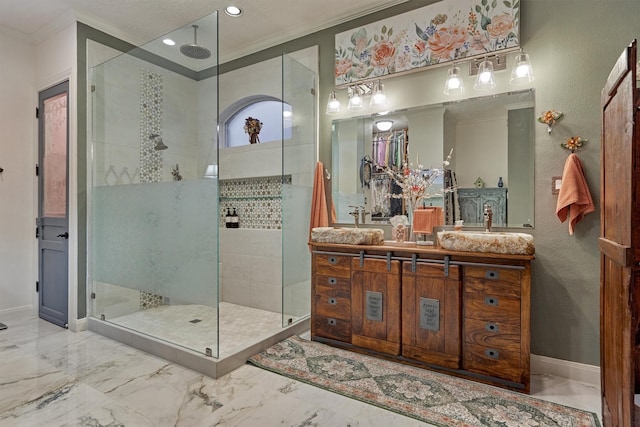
<point>363,215</point>
<point>488,217</point>
<point>355,214</point>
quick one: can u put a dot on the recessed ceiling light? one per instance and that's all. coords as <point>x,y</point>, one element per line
<point>169,42</point>
<point>233,11</point>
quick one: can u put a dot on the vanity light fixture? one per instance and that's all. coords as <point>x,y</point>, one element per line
<point>378,97</point>
<point>485,78</point>
<point>384,125</point>
<point>454,84</point>
<point>333,105</point>
<point>355,99</point>
<point>233,11</point>
<point>522,73</point>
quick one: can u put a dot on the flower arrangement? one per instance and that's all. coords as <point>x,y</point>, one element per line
<point>550,118</point>
<point>573,143</point>
<point>416,183</point>
<point>252,126</point>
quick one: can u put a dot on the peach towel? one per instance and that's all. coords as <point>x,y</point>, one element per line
<point>574,199</point>
<point>424,219</point>
<point>319,213</point>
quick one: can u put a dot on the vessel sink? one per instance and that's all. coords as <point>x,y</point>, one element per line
<point>348,236</point>
<point>487,242</point>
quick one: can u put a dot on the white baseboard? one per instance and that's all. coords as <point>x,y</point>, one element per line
<point>78,325</point>
<point>589,374</point>
<point>25,310</point>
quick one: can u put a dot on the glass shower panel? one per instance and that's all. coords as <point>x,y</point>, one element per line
<point>154,214</point>
<point>299,154</point>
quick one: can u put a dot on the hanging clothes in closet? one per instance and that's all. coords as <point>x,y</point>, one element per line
<point>389,149</point>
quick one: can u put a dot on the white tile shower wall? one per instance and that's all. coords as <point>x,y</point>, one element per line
<point>251,268</point>
<point>116,122</point>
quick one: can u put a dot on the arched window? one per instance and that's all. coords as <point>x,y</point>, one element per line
<point>274,114</point>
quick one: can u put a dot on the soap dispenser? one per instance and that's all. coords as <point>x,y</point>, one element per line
<point>235,220</point>
<point>227,219</point>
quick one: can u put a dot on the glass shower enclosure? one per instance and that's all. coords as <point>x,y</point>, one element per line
<point>159,253</point>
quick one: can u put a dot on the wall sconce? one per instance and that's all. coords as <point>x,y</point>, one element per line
<point>333,105</point>
<point>485,78</point>
<point>522,72</point>
<point>454,84</point>
<point>384,125</point>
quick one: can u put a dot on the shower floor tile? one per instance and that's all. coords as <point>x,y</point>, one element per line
<point>194,326</point>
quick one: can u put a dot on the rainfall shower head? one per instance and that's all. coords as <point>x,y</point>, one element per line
<point>194,50</point>
<point>160,145</point>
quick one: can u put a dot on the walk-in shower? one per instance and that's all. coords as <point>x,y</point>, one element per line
<point>165,275</point>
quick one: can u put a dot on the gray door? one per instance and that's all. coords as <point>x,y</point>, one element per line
<point>53,218</point>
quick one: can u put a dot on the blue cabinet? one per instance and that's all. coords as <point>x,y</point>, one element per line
<point>472,201</point>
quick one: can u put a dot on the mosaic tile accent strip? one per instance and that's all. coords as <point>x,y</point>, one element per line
<point>148,300</point>
<point>151,106</point>
<point>257,201</point>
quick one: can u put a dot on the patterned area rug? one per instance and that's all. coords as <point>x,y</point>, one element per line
<point>421,394</point>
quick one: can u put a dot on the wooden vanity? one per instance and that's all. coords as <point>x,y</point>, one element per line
<point>461,313</point>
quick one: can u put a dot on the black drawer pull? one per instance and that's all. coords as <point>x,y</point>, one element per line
<point>490,352</point>
<point>333,260</point>
<point>492,274</point>
<point>492,301</point>
<point>332,281</point>
<point>491,327</point>
<point>332,322</point>
<point>333,301</point>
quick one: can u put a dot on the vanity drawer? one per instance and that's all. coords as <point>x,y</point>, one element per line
<point>492,307</point>
<point>332,265</point>
<point>500,281</point>
<point>332,302</point>
<point>333,328</point>
<point>493,334</point>
<point>493,361</point>
<point>334,282</point>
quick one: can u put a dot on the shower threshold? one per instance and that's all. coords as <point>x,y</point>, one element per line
<point>238,339</point>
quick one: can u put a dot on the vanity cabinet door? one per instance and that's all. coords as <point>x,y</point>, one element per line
<point>492,305</point>
<point>375,304</point>
<point>331,293</point>
<point>431,314</point>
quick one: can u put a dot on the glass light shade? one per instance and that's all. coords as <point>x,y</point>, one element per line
<point>522,73</point>
<point>384,125</point>
<point>355,100</point>
<point>211,172</point>
<point>378,98</point>
<point>333,106</point>
<point>454,84</point>
<point>484,79</point>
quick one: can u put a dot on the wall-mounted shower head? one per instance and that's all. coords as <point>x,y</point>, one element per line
<point>194,50</point>
<point>160,145</point>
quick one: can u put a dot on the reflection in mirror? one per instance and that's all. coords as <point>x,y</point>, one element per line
<point>492,139</point>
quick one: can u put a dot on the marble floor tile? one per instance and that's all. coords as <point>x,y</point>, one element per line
<point>60,378</point>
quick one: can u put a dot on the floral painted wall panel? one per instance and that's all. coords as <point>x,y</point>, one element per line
<point>445,31</point>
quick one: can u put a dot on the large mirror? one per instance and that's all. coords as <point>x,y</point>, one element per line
<point>492,138</point>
